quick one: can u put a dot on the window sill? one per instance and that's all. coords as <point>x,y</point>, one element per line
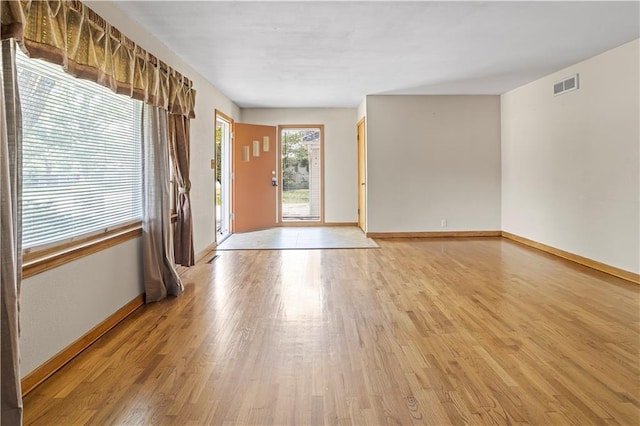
<point>37,262</point>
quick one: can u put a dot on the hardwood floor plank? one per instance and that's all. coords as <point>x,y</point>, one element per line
<point>436,331</point>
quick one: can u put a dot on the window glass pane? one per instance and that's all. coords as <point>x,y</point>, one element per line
<point>301,174</point>
<point>81,155</point>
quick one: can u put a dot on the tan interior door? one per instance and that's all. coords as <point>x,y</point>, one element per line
<point>254,166</point>
<point>362,189</point>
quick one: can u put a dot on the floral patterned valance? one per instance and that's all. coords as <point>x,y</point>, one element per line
<point>70,34</point>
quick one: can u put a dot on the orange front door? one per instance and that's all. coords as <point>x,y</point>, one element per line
<point>254,166</point>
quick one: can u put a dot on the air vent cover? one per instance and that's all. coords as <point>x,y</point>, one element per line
<point>567,85</point>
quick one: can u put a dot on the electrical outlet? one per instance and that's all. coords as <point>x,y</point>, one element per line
<point>443,223</point>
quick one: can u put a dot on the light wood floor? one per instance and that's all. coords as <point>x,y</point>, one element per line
<point>480,331</point>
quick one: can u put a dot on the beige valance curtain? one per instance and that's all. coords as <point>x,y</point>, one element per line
<point>72,35</point>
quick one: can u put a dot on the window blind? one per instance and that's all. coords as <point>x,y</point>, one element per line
<point>81,156</point>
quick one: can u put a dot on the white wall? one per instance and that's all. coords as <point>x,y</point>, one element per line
<point>362,109</point>
<point>431,158</point>
<point>60,305</point>
<point>340,150</point>
<point>570,175</point>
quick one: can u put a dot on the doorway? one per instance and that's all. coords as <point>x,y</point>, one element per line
<point>301,174</point>
<point>224,126</point>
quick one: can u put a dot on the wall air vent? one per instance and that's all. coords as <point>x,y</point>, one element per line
<point>567,85</point>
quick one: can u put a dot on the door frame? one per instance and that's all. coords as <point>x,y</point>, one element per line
<point>362,171</point>
<point>281,127</point>
<point>224,117</point>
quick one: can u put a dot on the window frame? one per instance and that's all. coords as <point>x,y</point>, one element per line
<point>38,261</point>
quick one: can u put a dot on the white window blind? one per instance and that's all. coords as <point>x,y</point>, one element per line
<point>81,156</point>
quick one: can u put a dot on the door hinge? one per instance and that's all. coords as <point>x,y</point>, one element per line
<point>232,216</point>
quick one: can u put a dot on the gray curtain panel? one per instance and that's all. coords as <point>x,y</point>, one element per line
<point>10,237</point>
<point>179,144</point>
<point>160,276</point>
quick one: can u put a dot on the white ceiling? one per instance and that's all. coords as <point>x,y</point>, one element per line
<point>332,54</point>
